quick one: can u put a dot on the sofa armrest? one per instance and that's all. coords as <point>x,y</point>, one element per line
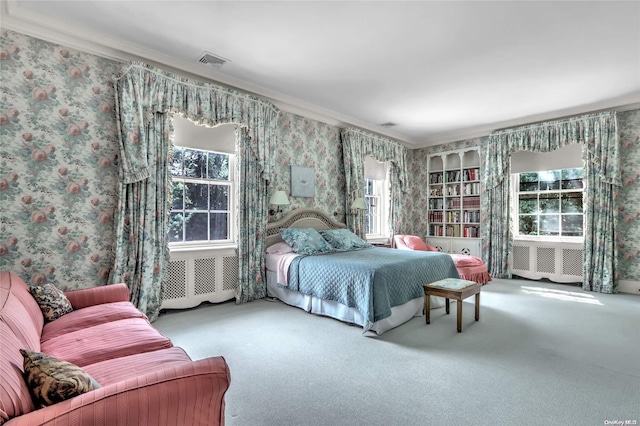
<point>191,394</point>
<point>98,295</point>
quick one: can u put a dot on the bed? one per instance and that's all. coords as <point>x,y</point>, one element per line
<point>375,288</point>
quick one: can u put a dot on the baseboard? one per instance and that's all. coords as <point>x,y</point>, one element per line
<point>629,286</point>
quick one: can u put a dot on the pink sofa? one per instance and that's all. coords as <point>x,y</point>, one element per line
<point>144,379</point>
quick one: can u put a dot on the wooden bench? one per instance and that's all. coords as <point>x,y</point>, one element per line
<point>452,288</point>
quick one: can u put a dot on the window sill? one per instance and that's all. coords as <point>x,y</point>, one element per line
<point>201,247</point>
<point>378,240</point>
<point>534,239</point>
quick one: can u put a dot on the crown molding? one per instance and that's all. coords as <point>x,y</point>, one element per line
<point>622,104</point>
<point>35,24</point>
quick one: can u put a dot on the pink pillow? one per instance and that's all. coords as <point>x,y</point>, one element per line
<point>279,248</point>
<point>416,243</point>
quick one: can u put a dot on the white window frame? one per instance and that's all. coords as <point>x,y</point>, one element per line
<point>515,213</point>
<point>380,195</point>
<point>232,210</point>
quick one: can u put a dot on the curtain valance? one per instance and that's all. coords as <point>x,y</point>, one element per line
<point>356,145</point>
<point>598,132</point>
<point>147,90</point>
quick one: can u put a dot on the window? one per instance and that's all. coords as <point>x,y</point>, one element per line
<point>549,203</point>
<point>202,196</point>
<point>375,196</point>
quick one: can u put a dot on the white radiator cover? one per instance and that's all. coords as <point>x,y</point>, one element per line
<point>197,276</point>
<point>558,262</point>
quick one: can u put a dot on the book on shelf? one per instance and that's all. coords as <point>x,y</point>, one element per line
<point>471,202</point>
<point>453,190</point>
<point>436,230</point>
<point>453,216</point>
<point>453,203</point>
<point>471,188</point>
<point>471,216</point>
<point>471,174</point>
<point>452,230</point>
<point>453,176</point>
<point>470,232</point>
<point>435,216</point>
<point>436,204</point>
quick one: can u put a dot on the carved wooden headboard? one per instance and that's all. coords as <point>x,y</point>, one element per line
<point>301,218</point>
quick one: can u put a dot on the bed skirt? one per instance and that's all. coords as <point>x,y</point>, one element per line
<point>329,308</point>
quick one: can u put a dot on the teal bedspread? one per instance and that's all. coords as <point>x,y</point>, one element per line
<point>370,280</point>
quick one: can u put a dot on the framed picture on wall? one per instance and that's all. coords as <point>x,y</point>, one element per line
<point>303,181</point>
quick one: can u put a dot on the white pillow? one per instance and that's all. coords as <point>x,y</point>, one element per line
<point>279,248</point>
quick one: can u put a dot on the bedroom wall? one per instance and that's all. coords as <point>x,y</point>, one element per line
<point>309,143</point>
<point>57,163</point>
<point>58,170</point>
<point>628,195</point>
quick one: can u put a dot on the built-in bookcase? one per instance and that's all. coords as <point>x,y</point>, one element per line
<point>454,201</point>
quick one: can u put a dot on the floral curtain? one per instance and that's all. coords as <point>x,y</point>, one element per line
<point>142,93</point>
<point>251,220</point>
<point>356,145</point>
<point>599,135</point>
<point>141,249</point>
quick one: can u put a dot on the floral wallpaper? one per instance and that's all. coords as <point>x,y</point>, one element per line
<point>309,143</point>
<point>629,195</point>
<point>57,163</point>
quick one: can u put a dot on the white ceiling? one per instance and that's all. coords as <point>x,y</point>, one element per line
<point>441,71</point>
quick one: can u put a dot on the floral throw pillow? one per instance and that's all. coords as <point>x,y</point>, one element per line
<point>305,240</point>
<point>51,380</point>
<point>52,301</point>
<point>343,239</point>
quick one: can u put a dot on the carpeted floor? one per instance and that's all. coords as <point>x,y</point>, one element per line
<point>541,354</point>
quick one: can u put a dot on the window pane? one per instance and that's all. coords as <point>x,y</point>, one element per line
<point>550,224</point>
<point>176,165</point>
<point>550,203</point>
<point>528,225</point>
<point>195,163</point>
<point>219,228</point>
<point>549,180</point>
<point>572,202</point>
<point>175,227</point>
<point>219,197</point>
<point>528,203</point>
<point>196,196</point>
<point>528,182</point>
<point>368,187</point>
<point>196,227</point>
<point>572,178</point>
<point>218,166</point>
<point>572,225</point>
<point>176,196</point>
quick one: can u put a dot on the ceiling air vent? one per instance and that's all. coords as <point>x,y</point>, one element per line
<point>211,59</point>
<point>388,125</point>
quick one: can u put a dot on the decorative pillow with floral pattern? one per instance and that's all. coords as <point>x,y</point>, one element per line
<point>51,380</point>
<point>305,240</point>
<point>343,239</point>
<point>52,301</point>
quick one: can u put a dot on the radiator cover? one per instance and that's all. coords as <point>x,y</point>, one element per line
<point>200,276</point>
<point>558,262</point>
